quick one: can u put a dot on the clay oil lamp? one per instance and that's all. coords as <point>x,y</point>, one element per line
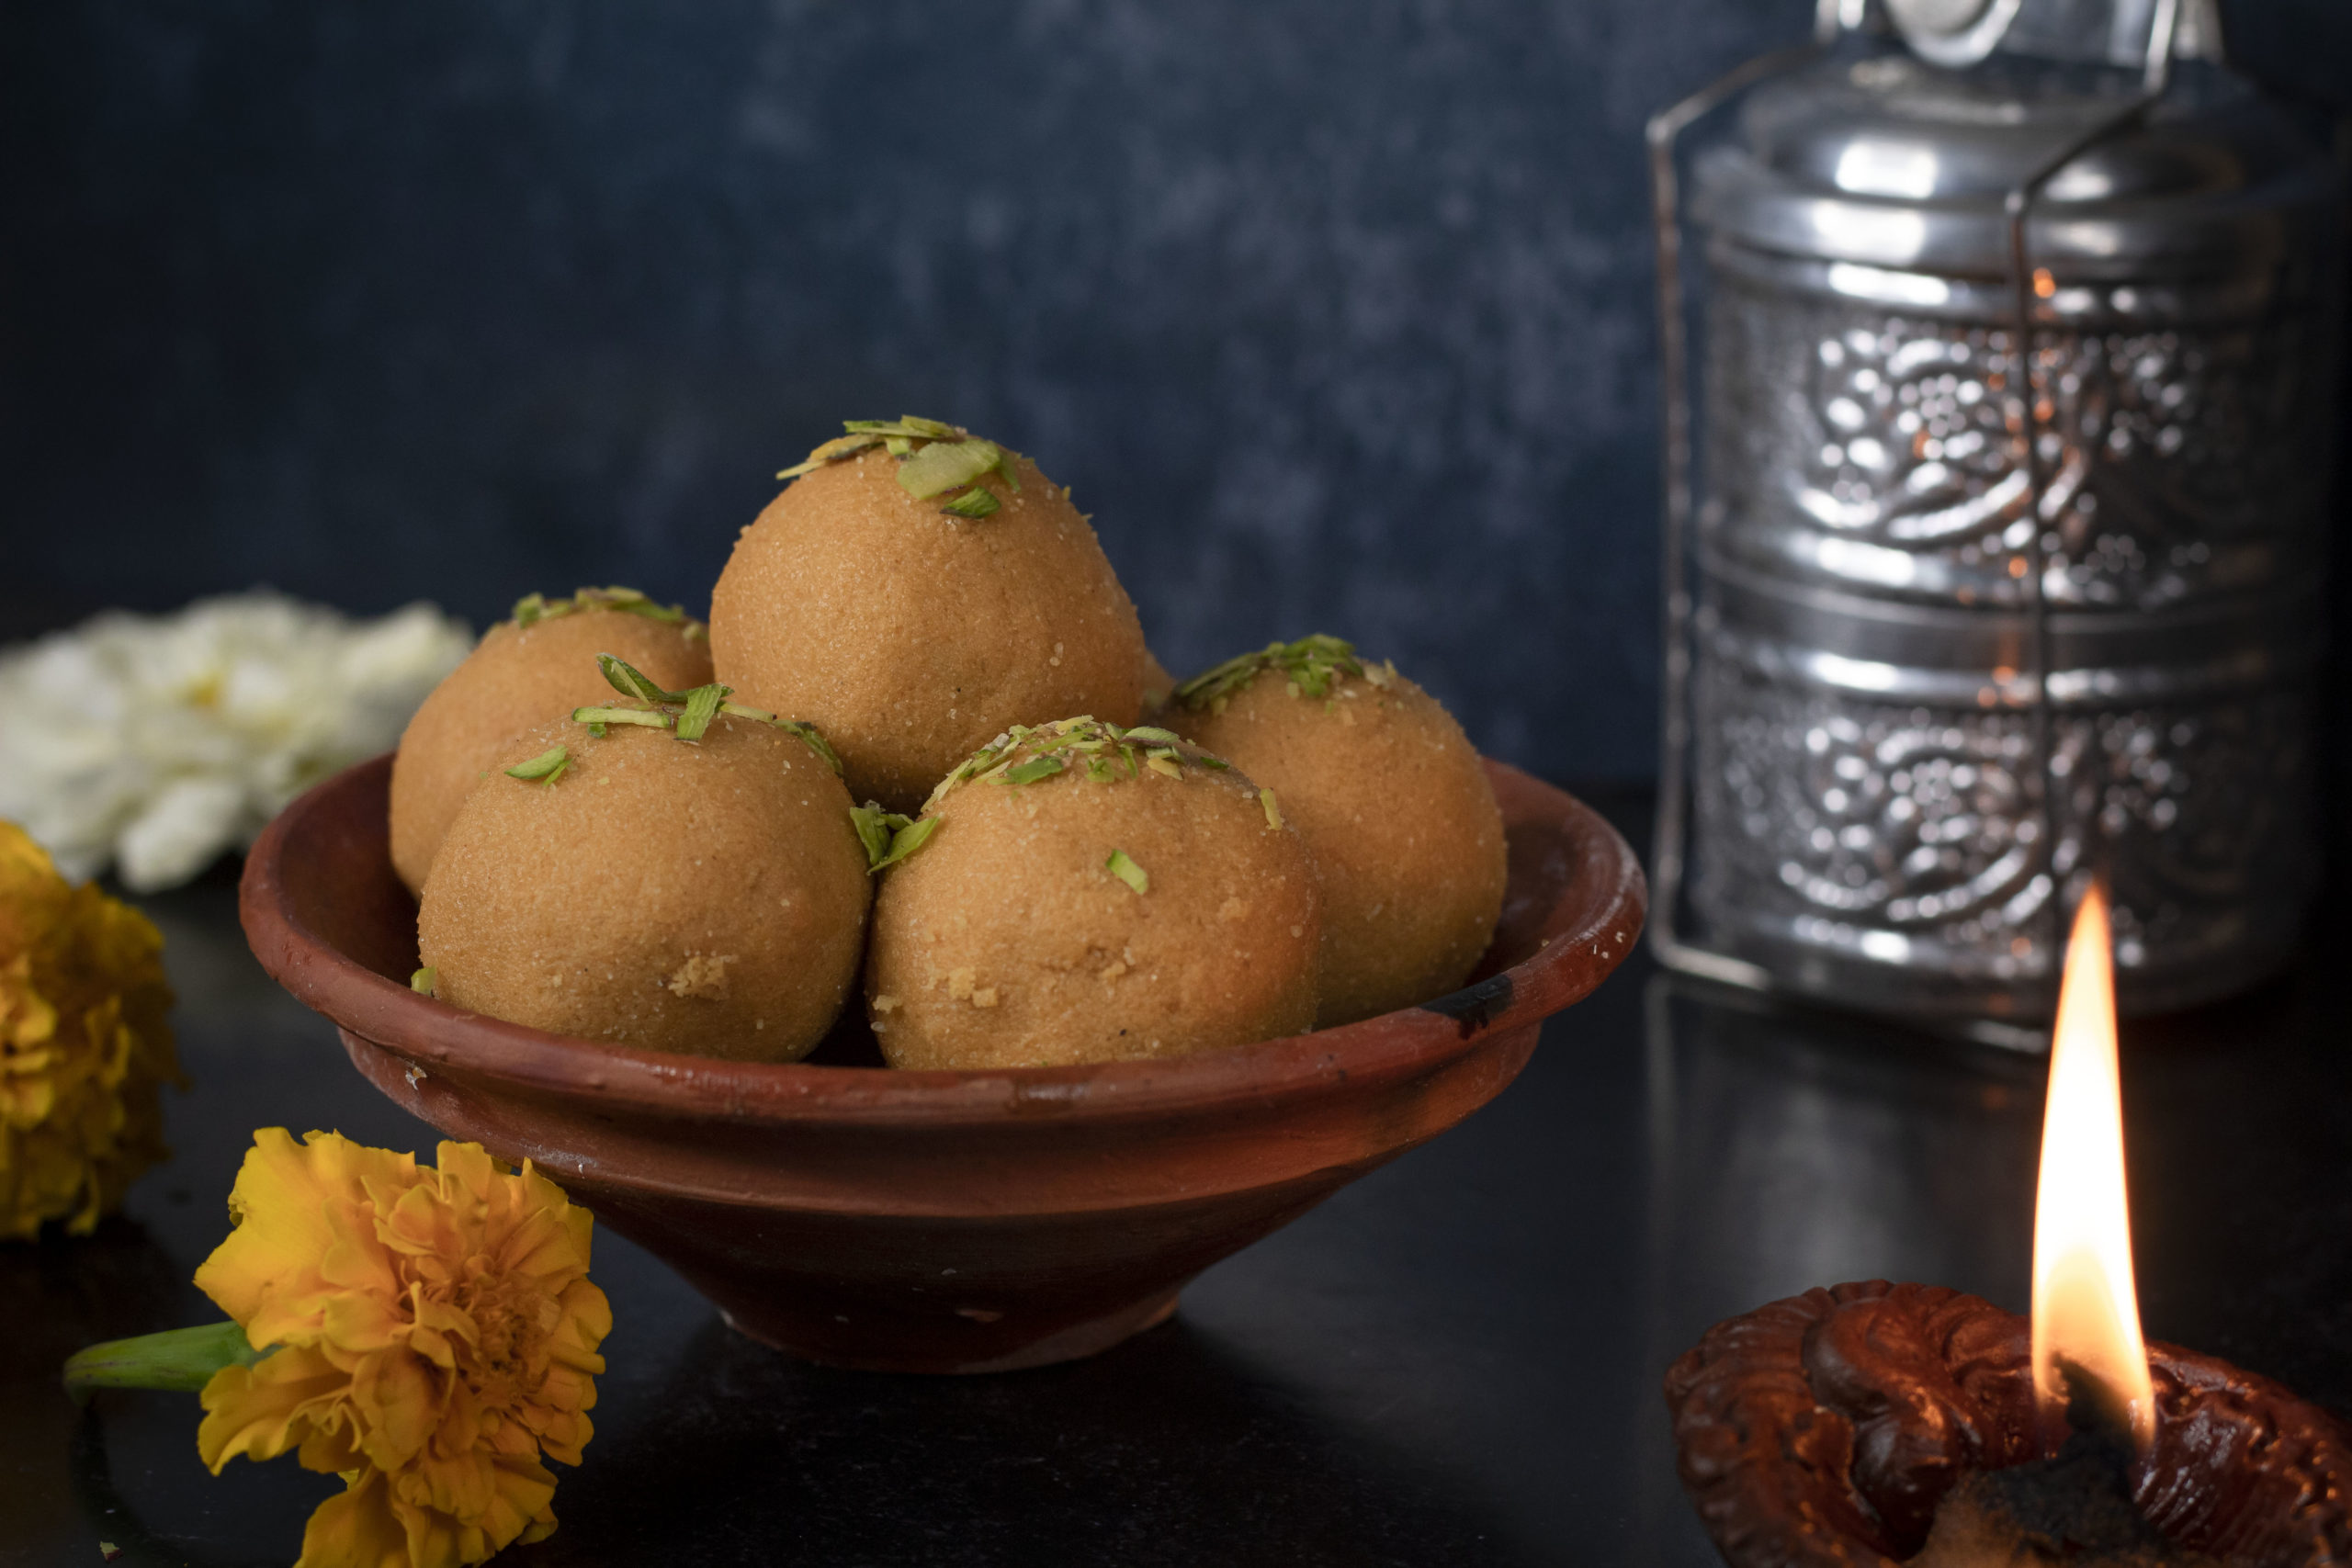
<point>1874,1423</point>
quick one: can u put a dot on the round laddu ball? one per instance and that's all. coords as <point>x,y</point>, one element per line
<point>706,899</point>
<point>911,635</point>
<point>518,677</point>
<point>1392,801</point>
<point>1085,897</point>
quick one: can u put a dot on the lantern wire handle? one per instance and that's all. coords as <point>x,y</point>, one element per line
<point>2025,283</point>
<point>1664,132</point>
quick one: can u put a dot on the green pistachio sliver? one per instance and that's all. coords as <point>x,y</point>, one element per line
<point>915,425</point>
<point>806,734</point>
<point>1099,770</point>
<point>745,710</point>
<point>888,837</point>
<point>874,824</point>
<point>976,502</point>
<point>1151,735</point>
<point>668,614</point>
<point>1214,764</point>
<point>425,982</point>
<point>907,840</point>
<point>947,465</point>
<point>1165,764</point>
<point>630,682</point>
<point>1273,812</point>
<point>1309,666</point>
<point>549,765</point>
<point>702,706</point>
<point>533,608</point>
<point>832,451</point>
<point>650,719</point>
<point>1128,870</point>
<point>1035,768</point>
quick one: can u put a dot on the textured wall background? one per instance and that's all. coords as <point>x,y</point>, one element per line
<point>1335,312</point>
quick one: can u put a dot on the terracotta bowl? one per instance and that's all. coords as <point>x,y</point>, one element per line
<point>936,1220</point>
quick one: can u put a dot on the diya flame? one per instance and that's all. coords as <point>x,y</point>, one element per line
<point>2086,1308</point>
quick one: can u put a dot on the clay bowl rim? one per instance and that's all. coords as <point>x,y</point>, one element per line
<point>1568,966</point>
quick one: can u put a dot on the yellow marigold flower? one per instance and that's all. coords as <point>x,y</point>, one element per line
<point>83,1045</point>
<point>435,1332</point>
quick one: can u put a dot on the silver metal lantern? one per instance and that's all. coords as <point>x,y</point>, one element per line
<point>1993,522</point>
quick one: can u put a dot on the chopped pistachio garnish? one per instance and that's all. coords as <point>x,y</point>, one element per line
<point>941,465</point>
<point>1128,870</point>
<point>975,503</point>
<point>650,719</point>
<point>689,713</point>
<point>425,982</point>
<point>933,457</point>
<point>548,765</point>
<point>1031,753</point>
<point>1273,812</point>
<point>1309,667</point>
<point>702,706</point>
<point>874,822</point>
<point>1032,770</point>
<point>630,682</point>
<point>887,836</point>
<point>533,608</point>
<point>806,733</point>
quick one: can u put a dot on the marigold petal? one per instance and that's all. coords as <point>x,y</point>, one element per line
<point>333,1447</point>
<point>539,1244</point>
<point>416,1224</point>
<point>434,1539</point>
<point>357,1529</point>
<point>587,1318</point>
<point>275,1260</point>
<point>443,1316</point>
<point>524,1508</point>
<point>469,1164</point>
<point>360,1321</point>
<point>85,1045</point>
<point>397,1398</point>
<point>264,1409</point>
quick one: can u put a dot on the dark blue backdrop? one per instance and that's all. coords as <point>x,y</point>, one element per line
<point>1335,312</point>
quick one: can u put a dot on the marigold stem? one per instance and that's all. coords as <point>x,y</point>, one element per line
<point>181,1360</point>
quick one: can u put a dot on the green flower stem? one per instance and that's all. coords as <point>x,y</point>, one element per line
<point>180,1361</point>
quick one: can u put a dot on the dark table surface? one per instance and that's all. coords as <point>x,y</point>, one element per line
<point>1456,1361</point>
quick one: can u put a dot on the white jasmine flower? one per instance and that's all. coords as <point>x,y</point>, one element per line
<point>156,743</point>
